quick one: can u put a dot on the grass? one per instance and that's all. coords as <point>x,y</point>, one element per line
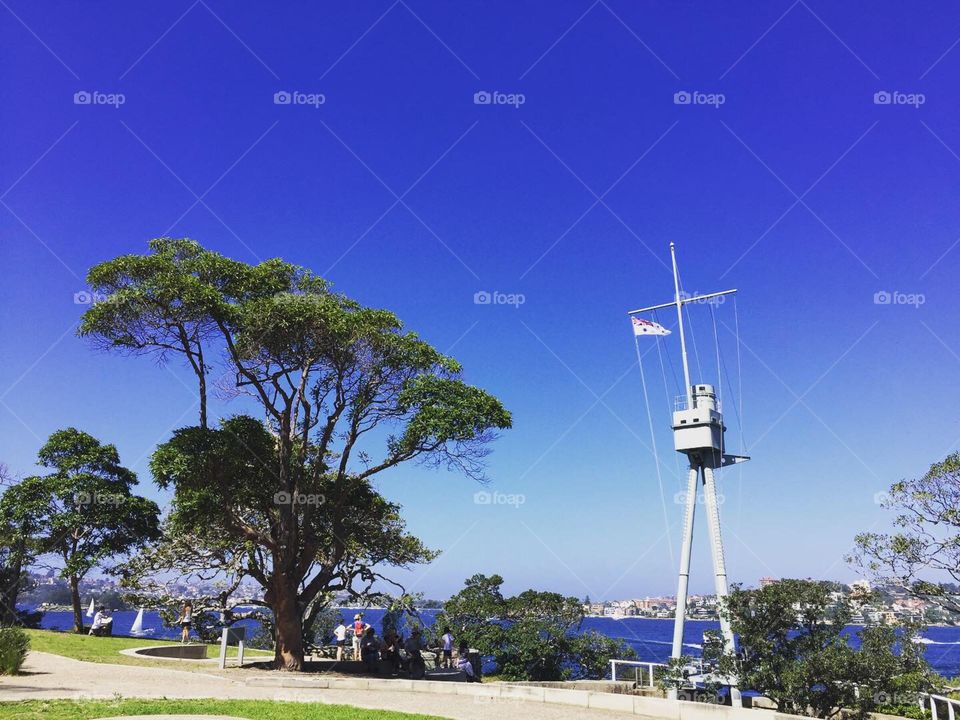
<point>107,649</point>
<point>253,709</point>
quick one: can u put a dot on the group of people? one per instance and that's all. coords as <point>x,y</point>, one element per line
<point>103,622</point>
<point>400,654</point>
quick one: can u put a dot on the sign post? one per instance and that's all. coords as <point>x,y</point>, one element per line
<point>229,637</point>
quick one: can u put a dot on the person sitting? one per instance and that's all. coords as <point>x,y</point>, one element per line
<point>391,649</point>
<point>414,647</point>
<point>370,650</point>
<point>102,623</point>
<point>463,663</point>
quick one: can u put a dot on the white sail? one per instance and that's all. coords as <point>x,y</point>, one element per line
<point>137,628</point>
<point>91,609</point>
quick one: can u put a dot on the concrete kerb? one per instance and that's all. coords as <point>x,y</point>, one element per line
<point>139,653</point>
<point>649,707</point>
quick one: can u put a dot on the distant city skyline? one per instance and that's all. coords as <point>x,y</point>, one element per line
<point>507,179</point>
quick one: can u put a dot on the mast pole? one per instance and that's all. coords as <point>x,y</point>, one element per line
<point>683,341</point>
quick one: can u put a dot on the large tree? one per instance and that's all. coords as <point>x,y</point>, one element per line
<point>84,509</point>
<point>345,394</point>
<point>922,552</point>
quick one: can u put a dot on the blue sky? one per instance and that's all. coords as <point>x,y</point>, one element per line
<point>786,177</point>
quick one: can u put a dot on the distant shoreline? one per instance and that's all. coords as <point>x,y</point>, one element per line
<point>690,619</point>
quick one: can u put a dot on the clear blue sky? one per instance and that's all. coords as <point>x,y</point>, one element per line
<point>799,189</point>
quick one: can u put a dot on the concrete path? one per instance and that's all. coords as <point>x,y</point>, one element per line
<point>53,676</point>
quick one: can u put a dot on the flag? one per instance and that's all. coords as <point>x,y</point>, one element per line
<point>646,327</point>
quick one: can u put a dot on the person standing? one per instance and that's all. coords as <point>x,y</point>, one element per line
<point>341,635</point>
<point>357,634</point>
<point>185,621</point>
<point>447,641</point>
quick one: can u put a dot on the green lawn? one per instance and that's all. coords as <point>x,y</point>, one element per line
<point>253,709</point>
<point>107,649</point>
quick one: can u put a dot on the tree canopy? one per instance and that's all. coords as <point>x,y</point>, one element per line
<point>922,551</point>
<point>83,511</point>
<point>796,650</point>
<point>345,394</point>
<point>535,635</point>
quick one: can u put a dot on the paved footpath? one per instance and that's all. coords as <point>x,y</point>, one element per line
<point>56,677</point>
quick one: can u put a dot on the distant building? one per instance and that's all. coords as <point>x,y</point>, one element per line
<point>767,580</point>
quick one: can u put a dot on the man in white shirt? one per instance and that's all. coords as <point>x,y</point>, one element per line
<point>341,634</point>
<point>102,622</point>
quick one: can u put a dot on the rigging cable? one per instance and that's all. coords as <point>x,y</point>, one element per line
<point>743,443</point>
<point>716,340</point>
<point>666,392</point>
<point>653,441</point>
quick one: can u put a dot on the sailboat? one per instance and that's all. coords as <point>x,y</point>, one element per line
<point>92,609</point>
<point>137,627</point>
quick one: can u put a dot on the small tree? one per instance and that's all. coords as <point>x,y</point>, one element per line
<point>20,508</point>
<point>85,511</point>
<point>795,650</point>
<point>922,552</point>
<point>532,636</point>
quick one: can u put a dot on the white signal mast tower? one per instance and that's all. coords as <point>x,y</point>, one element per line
<point>698,433</point>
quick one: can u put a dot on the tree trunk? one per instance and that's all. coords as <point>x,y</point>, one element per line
<point>75,600</point>
<point>203,395</point>
<point>288,620</point>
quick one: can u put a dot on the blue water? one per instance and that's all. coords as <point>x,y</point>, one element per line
<point>650,638</point>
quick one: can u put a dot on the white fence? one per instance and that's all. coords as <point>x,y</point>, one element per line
<point>637,665</point>
<point>930,702</point>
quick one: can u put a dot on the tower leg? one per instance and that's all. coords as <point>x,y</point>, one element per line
<point>685,550</point>
<point>719,564</point>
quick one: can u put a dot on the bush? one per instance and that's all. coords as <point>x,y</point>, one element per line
<point>532,636</point>
<point>14,644</point>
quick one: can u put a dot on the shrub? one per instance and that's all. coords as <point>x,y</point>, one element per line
<point>14,644</point>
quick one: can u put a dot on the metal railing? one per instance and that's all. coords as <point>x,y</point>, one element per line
<point>637,665</point>
<point>929,702</point>
<point>680,403</point>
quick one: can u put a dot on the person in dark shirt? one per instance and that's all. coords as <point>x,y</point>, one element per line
<point>370,650</point>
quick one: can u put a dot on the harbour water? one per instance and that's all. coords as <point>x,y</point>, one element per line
<point>650,638</point>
